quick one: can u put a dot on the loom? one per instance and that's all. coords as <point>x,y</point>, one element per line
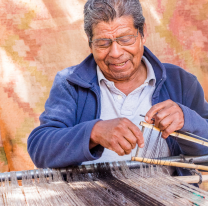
<point>115,183</point>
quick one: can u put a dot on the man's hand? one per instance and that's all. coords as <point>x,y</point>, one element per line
<point>168,117</point>
<point>119,135</point>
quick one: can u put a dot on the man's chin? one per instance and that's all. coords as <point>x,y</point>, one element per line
<point>121,77</point>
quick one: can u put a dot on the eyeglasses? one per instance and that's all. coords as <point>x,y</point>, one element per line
<point>123,41</point>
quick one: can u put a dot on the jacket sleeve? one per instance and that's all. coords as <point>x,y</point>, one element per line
<point>196,119</point>
<point>59,141</point>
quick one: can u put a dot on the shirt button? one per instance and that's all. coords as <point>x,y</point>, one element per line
<point>119,97</point>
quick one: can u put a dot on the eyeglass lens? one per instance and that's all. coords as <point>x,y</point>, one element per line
<point>123,41</point>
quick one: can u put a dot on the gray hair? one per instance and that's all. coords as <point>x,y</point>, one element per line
<point>96,11</point>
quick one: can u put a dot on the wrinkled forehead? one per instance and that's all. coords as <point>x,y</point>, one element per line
<point>119,26</point>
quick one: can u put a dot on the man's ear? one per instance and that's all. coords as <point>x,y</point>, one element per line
<point>144,33</point>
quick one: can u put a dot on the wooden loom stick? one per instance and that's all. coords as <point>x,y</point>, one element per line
<point>192,179</point>
<point>176,134</point>
<point>188,179</point>
<point>168,163</point>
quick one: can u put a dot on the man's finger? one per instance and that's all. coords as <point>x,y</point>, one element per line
<point>155,109</point>
<point>165,123</point>
<point>138,134</point>
<point>118,149</point>
<point>170,129</point>
<point>125,145</point>
<point>131,138</point>
<point>160,117</point>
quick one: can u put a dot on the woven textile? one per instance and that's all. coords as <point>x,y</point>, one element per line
<point>39,38</point>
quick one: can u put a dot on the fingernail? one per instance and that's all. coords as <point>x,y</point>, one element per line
<point>142,145</point>
<point>146,119</point>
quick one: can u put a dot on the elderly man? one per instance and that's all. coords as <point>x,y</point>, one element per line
<point>93,111</point>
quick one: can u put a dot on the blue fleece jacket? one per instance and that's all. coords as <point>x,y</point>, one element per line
<point>73,107</point>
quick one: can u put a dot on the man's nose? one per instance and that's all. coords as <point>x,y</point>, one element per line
<point>115,50</point>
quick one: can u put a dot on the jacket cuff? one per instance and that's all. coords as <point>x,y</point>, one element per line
<point>187,127</point>
<point>97,151</point>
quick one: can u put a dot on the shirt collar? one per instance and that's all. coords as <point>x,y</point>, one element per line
<point>151,79</point>
<point>100,75</point>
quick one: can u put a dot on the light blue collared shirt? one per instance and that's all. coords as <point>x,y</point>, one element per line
<point>115,104</point>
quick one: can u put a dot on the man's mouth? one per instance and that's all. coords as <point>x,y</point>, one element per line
<point>120,64</point>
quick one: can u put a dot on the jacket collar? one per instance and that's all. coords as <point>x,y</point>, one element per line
<point>85,74</point>
<point>159,69</point>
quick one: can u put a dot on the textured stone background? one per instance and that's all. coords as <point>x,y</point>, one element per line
<point>38,38</point>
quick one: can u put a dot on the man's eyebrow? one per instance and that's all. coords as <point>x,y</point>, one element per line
<point>127,32</point>
<point>124,33</point>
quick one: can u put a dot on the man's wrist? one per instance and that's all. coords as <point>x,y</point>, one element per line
<point>93,141</point>
<point>92,145</point>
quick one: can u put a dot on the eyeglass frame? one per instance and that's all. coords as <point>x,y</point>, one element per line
<point>115,39</point>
